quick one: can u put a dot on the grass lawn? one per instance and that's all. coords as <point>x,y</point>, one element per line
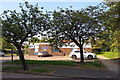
<point>44,62</point>
<point>109,55</point>
<point>95,64</point>
<point>33,70</point>
<point>42,70</point>
<point>12,68</point>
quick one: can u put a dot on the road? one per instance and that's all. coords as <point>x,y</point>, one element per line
<point>21,75</point>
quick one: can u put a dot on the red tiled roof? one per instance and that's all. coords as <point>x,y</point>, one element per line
<point>64,41</point>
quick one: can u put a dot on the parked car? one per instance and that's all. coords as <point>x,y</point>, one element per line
<point>44,53</point>
<point>2,54</point>
<point>76,54</point>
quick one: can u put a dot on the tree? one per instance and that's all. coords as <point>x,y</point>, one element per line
<point>42,40</point>
<point>109,38</point>
<point>114,24</point>
<point>112,27</point>
<point>26,49</point>
<point>17,27</point>
<point>75,25</point>
<point>34,40</point>
<point>6,45</point>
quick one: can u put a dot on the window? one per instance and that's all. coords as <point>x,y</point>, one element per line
<point>77,51</point>
<point>85,52</point>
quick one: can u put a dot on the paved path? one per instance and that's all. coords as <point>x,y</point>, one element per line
<point>112,66</point>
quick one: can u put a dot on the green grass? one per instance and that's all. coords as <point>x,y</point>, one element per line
<point>109,55</point>
<point>45,62</point>
<point>11,68</point>
<point>96,63</point>
<point>33,70</point>
<point>10,54</point>
<point>117,60</point>
<point>42,70</point>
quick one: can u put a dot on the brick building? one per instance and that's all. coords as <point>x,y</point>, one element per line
<point>34,48</point>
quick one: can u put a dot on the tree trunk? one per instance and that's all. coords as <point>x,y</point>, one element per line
<point>81,54</point>
<point>12,55</point>
<point>21,56</point>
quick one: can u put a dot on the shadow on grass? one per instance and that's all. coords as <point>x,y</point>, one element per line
<point>117,60</point>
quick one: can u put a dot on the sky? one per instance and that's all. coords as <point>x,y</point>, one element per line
<point>48,4</point>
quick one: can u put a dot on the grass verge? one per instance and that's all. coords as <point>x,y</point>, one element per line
<point>12,68</point>
<point>44,62</point>
<point>95,64</point>
<point>33,70</point>
<point>42,70</point>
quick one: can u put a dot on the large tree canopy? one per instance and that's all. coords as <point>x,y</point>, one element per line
<point>17,27</point>
<point>75,25</point>
<point>110,37</point>
<point>113,25</point>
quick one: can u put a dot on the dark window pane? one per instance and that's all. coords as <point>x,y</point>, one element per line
<point>77,51</point>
